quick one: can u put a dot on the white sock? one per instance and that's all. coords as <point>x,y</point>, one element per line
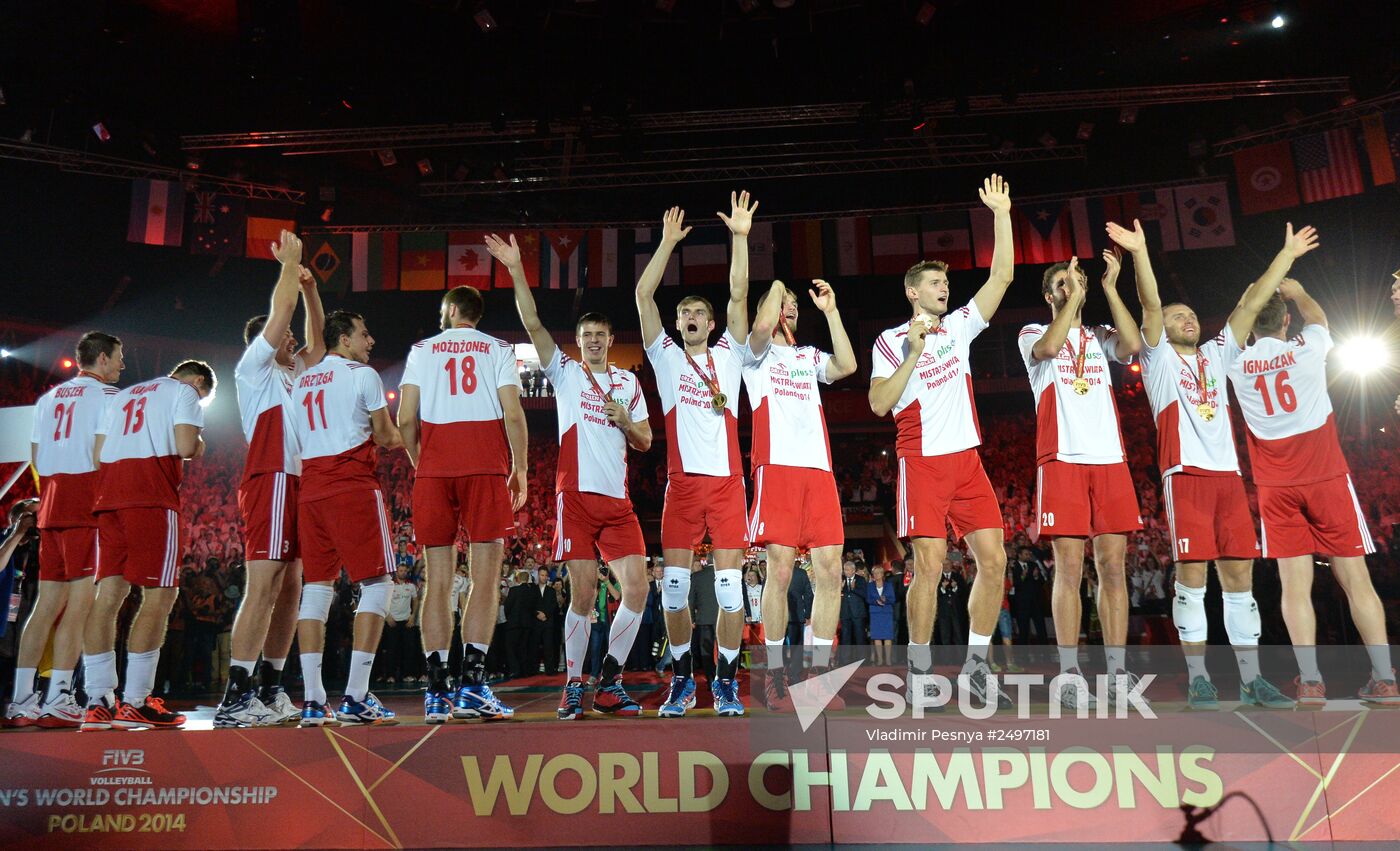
<point>576,629</point>
<point>361,663</point>
<point>1247,658</point>
<point>1196,665</point>
<point>24,683</point>
<point>1069,657</point>
<point>1306,654</point>
<point>484,648</point>
<point>729,653</point>
<point>679,650</point>
<point>775,653</point>
<point>59,682</point>
<point>1114,657</point>
<point>312,687</point>
<point>623,633</point>
<point>920,657</point>
<point>244,664</point>
<point>100,670</point>
<point>140,676</point>
<point>1380,661</point>
<point>821,652</point>
<point>277,664</point>
<point>978,644</point>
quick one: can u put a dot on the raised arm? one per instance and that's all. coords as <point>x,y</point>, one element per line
<point>739,222</point>
<point>996,194</point>
<point>1129,337</point>
<point>1135,243</point>
<point>518,436</point>
<point>287,250</point>
<point>673,230</point>
<point>1295,245</point>
<point>1054,337</point>
<point>843,357</point>
<point>408,420</point>
<point>508,255</point>
<point>765,320</point>
<point>315,348</point>
<point>18,533</point>
<point>1308,308</point>
<point>885,392</point>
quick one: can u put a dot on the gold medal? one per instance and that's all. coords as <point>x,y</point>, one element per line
<point>718,402</point>
<point>1206,410</point>
<point>1080,383</point>
<point>1081,386</point>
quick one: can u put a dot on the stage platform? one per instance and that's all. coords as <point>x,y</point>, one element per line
<point>1231,775</point>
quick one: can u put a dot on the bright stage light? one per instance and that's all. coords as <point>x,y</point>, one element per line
<point>67,363</point>
<point>1363,355</point>
<point>1278,22</point>
<point>4,353</point>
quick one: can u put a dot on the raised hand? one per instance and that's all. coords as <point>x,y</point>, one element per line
<point>507,253</point>
<point>1113,264</point>
<point>305,279</point>
<point>1130,240</point>
<point>1290,289</point>
<point>823,296</point>
<point>1300,243</point>
<point>673,228</point>
<point>740,218</point>
<point>996,194</point>
<point>1075,281</point>
<point>918,336</point>
<point>287,249</point>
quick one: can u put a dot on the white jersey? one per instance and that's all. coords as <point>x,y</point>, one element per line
<point>66,420</point>
<point>458,374</point>
<point>936,414</point>
<point>265,406</point>
<point>789,427</point>
<point>1281,386</point>
<point>333,402</point>
<point>592,451</point>
<point>1186,440</point>
<point>140,465</point>
<point>1070,427</point>
<point>699,440</point>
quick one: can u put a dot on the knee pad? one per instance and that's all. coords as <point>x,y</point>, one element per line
<point>374,599</point>
<point>675,589</point>
<point>316,603</point>
<point>1189,613</point>
<point>729,592</point>
<point>1241,618</point>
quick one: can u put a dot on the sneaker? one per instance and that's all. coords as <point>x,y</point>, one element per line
<point>477,701</point>
<point>62,711</point>
<point>23,713</point>
<point>919,688</point>
<point>1129,682</point>
<point>151,713</point>
<point>315,714</point>
<point>727,702</point>
<point>613,699</point>
<point>775,691</point>
<point>280,704</point>
<point>680,698</point>
<point>246,711</point>
<point>1382,692</point>
<point>1202,695</point>
<point>835,703</point>
<point>367,711</point>
<point>1312,694</point>
<point>1072,692</point>
<point>571,703</point>
<point>1262,693</point>
<point>98,716</point>
<point>979,684</point>
<point>437,709</point>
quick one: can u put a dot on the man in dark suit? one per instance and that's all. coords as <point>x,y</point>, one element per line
<point>654,618</point>
<point>522,602</point>
<point>799,604</point>
<point>855,613</point>
<point>542,628</point>
<point>1028,578</point>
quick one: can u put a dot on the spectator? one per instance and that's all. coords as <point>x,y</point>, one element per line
<point>855,613</point>
<point>799,605</point>
<point>753,608</point>
<point>880,598</point>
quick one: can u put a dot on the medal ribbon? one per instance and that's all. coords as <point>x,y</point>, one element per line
<point>607,397</point>
<point>1083,351</point>
<point>712,383</point>
<point>1200,374</point>
<point>787,332</point>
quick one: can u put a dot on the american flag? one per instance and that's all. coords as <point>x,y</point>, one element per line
<point>1327,165</point>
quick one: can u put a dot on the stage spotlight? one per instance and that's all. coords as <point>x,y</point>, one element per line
<point>327,213</point>
<point>67,363</point>
<point>1363,355</point>
<point>100,131</point>
<point>193,163</point>
<point>425,167</point>
<point>1278,22</point>
<point>4,353</point>
<point>387,157</point>
<point>484,19</point>
<point>1135,368</point>
<point>392,395</point>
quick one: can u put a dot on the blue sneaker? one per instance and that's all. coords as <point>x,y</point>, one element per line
<point>437,709</point>
<point>727,702</point>
<point>571,703</point>
<point>477,701</point>
<point>367,711</point>
<point>314,714</point>
<point>680,698</point>
<point>613,699</point>
<point>1202,695</point>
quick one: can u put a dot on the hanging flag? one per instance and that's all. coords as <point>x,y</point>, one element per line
<point>946,237</point>
<point>1328,165</point>
<point>853,246</point>
<point>761,249</point>
<point>894,244</point>
<point>1089,216</point>
<point>422,261</point>
<point>468,261</point>
<point>157,213</point>
<point>562,261</point>
<point>328,258</point>
<point>1044,232</point>
<point>705,256</point>
<point>805,239</point>
<point>262,232</point>
<point>529,242</point>
<point>1265,178</point>
<point>1204,212</point>
<point>1156,209</point>
<point>644,244</point>
<point>604,247</point>
<point>217,224</point>
<point>1382,145</point>
<point>374,261</point>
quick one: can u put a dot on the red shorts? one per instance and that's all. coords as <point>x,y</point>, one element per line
<point>1208,517</point>
<point>696,504</point>
<point>268,503</point>
<point>1084,501</point>
<point>587,525</point>
<point>795,507</point>
<point>141,545</point>
<point>349,529</point>
<point>67,554</point>
<point>1322,517</point>
<point>480,505</point>
<point>937,489</point>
